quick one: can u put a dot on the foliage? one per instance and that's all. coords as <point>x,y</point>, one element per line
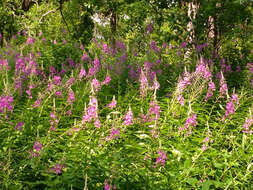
<point>145,108</point>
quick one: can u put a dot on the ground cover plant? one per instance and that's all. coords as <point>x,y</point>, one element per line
<point>133,109</point>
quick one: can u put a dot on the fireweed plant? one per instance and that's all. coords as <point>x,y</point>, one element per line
<point>115,117</point>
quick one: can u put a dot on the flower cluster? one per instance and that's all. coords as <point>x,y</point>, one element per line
<point>114,134</point>
<point>93,70</point>
<point>92,110</point>
<point>54,121</point>
<point>205,142</point>
<point>211,89</point>
<point>154,109</point>
<point>128,120</point>
<point>161,159</point>
<point>4,65</point>
<point>180,99</point>
<point>190,122</point>
<point>6,103</point>
<point>82,73</point>
<point>235,98</point>
<point>57,80</point>
<point>57,168</point>
<point>107,186</point>
<point>92,113</point>
<point>223,86</point>
<point>230,108</point>
<point>143,84</point>
<point>35,152</point>
<point>203,71</point>
<point>113,103</point>
<point>19,126</point>
<point>95,84</point>
<point>107,80</point>
<point>71,97</point>
<point>247,124</point>
<point>70,81</point>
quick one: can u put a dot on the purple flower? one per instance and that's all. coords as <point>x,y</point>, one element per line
<point>91,111</point>
<point>96,64</point>
<point>235,98</point>
<point>6,103</point>
<point>107,186</point>
<point>107,80</point>
<point>154,110</point>
<point>230,108</point>
<point>144,84</point>
<point>71,97</point>
<point>37,146</point>
<point>30,40</point>
<point>203,71</point>
<point>114,133</point>
<point>95,84</point>
<point>180,99</point>
<point>92,71</point>
<point>97,123</point>
<point>211,89</point>
<point>58,93</point>
<point>113,103</point>
<point>53,116</point>
<point>206,140</point>
<point>19,126</point>
<point>190,122</point>
<point>223,86</point>
<point>82,73</point>
<point>156,84</point>
<point>149,28</point>
<point>183,44</point>
<point>247,124</point>
<point>52,70</point>
<point>182,84</point>
<point>154,47</point>
<point>161,159</point>
<point>128,120</point>
<point>105,48</point>
<point>57,80</point>
<point>58,168</point>
<point>69,112</point>
<point>37,103</point>
<point>70,81</point>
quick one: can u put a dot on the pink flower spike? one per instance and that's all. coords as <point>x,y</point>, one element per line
<point>113,103</point>
<point>37,146</point>
<point>128,120</point>
<point>180,99</point>
<point>71,97</point>
<point>230,108</point>
<point>95,84</point>
<point>107,80</point>
<point>97,123</point>
<point>107,186</point>
<point>82,74</point>
<point>235,98</point>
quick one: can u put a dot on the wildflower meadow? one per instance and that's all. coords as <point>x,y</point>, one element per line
<point>141,99</point>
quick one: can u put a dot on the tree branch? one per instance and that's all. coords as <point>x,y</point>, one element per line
<point>51,11</point>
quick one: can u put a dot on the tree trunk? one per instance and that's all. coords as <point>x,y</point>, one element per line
<point>113,25</point>
<point>26,5</point>
<point>191,39</point>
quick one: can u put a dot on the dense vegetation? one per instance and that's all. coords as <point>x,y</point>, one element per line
<point>120,94</point>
